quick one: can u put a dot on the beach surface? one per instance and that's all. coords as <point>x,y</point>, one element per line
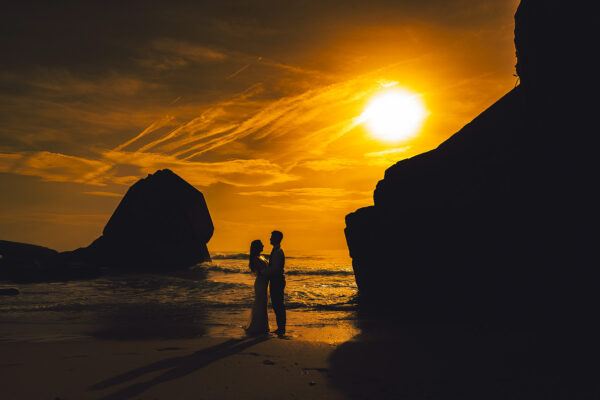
<point>389,361</point>
<point>180,336</point>
<point>203,368</point>
<point>176,336</point>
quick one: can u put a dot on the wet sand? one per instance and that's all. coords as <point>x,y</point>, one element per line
<point>203,368</point>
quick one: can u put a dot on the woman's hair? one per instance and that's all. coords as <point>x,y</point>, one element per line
<point>255,249</point>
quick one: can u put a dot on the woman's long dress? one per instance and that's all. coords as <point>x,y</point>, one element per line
<point>259,322</point>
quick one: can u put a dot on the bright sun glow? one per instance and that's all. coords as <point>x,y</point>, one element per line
<point>394,115</point>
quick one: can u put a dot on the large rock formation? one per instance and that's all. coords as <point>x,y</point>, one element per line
<point>489,223</point>
<point>162,223</point>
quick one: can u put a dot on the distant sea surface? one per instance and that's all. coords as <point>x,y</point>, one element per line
<point>207,299</point>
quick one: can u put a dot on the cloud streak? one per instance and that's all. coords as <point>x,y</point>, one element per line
<point>305,118</point>
<point>53,167</point>
<point>312,199</point>
<point>105,194</point>
<point>322,192</point>
<point>319,205</point>
<point>61,168</point>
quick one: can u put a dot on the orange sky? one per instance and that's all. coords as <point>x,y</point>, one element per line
<point>252,105</point>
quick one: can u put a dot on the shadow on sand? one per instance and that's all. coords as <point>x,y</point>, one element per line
<point>466,361</point>
<point>175,367</point>
<point>150,320</point>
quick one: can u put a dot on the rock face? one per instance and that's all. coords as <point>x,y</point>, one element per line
<point>489,224</point>
<point>21,262</point>
<point>161,224</point>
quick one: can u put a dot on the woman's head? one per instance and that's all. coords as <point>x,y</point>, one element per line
<point>255,248</point>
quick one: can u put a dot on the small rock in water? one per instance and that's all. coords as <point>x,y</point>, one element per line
<point>312,383</point>
<point>9,292</point>
<point>316,369</point>
<point>268,362</point>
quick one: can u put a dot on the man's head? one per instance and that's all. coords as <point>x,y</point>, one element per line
<point>276,238</point>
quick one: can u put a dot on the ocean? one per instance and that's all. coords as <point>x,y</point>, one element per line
<point>207,299</point>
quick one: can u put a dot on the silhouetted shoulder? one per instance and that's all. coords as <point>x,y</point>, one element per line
<point>262,263</point>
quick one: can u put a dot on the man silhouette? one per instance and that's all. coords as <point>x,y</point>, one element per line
<point>277,281</point>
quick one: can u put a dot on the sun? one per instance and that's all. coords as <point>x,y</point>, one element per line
<point>394,115</point>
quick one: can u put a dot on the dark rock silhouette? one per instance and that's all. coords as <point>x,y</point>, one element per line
<point>491,222</point>
<point>21,262</point>
<point>9,292</point>
<point>161,224</point>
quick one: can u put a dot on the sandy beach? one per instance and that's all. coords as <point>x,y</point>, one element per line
<point>397,361</point>
<point>203,368</point>
<point>175,336</point>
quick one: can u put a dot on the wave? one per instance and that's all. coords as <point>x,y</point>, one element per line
<point>295,272</point>
<point>238,256</point>
<point>176,307</point>
<point>297,304</point>
<point>218,268</point>
<point>326,272</point>
<point>311,306</point>
<point>245,256</point>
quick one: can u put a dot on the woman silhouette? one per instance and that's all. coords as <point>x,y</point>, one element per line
<point>259,322</point>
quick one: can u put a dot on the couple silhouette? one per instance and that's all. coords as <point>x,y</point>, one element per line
<point>269,275</point>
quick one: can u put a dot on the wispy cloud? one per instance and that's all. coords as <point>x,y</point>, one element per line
<point>239,71</point>
<point>277,134</point>
<point>329,165</point>
<point>373,159</point>
<point>54,167</point>
<point>395,151</point>
<point>386,157</point>
<point>253,172</point>
<point>151,128</point>
<point>165,54</point>
<point>312,198</point>
<point>306,116</point>
<point>324,192</point>
<point>105,194</point>
<point>188,50</point>
<point>58,82</point>
<point>319,205</point>
<point>61,168</point>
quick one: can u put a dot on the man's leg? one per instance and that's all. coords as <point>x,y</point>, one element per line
<point>276,289</point>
